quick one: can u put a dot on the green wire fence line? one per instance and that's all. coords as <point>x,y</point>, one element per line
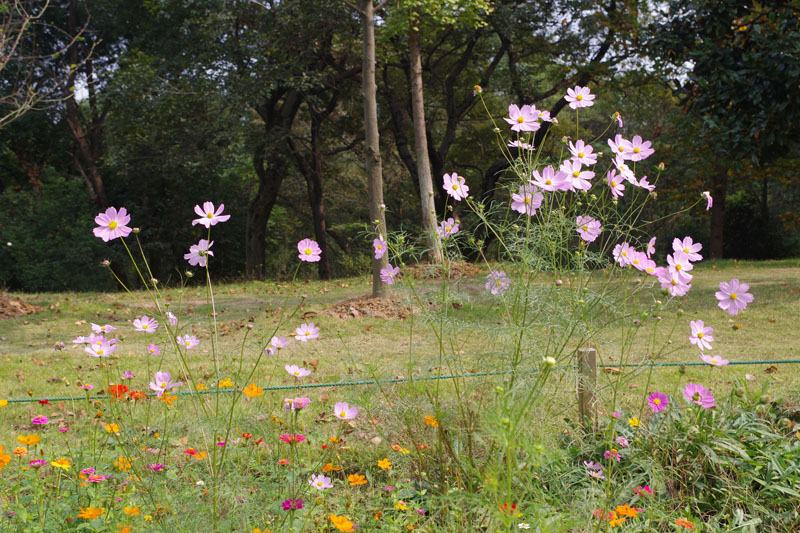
<point>403,380</point>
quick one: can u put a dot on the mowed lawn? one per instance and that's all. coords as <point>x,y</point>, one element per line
<point>352,349</point>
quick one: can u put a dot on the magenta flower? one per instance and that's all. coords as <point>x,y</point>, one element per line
<point>497,282</point>
<point>36,463</point>
<point>310,252</point>
<point>209,217</point>
<point>579,97</point>
<point>701,335</point>
<point>280,342</point>
<point>388,274</point>
<point>699,395</point>
<point>295,404</point>
<point>154,467</point>
<point>95,478</point>
<point>583,153</point>
<point>380,247</point>
<point>615,183</point>
<point>579,178</point>
<point>455,186</point>
<point>188,341</point>
<point>527,201</point>
<point>638,150</point>
<point>658,401</point>
<point>713,360</point>
<point>320,482</point>
<point>112,224</point>
<point>524,119</point>
<point>108,328</point>
<point>163,381</point>
<point>588,228</point>
<point>447,228</point>
<point>152,349</point>
<point>87,387</point>
<point>292,438</point>
<point>198,253</point>
<point>612,454</point>
<point>146,324</point>
<point>709,200</point>
<point>296,371</point>
<point>689,247</point>
<point>306,332</point>
<point>733,297</point>
<point>40,420</point>
<point>292,504</point>
<point>343,411</point>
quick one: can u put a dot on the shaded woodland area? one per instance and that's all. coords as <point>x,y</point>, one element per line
<point>158,106</point>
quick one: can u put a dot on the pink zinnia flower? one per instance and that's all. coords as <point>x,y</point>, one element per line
<point>612,454</point>
<point>447,228</point>
<point>292,438</point>
<point>40,420</point>
<point>297,371</point>
<point>291,504</point>
<point>524,119</point>
<point>643,491</point>
<point>209,217</point>
<point>112,224</point>
<point>588,228</point>
<point>701,335</point>
<point>163,381</point>
<point>198,253</point>
<point>527,201</point>
<point>146,324</point>
<point>615,183</point>
<point>699,395</point>
<point>95,478</point>
<point>388,274</point>
<point>550,180</point>
<point>733,297</point>
<point>689,247</point>
<point>714,360</point>
<point>306,332</point>
<point>343,411</point>
<point>658,401</point>
<point>638,150</point>
<point>189,341</point>
<point>497,282</point>
<point>579,178</point>
<point>582,153</point>
<point>579,97</point>
<point>709,200</point>
<point>310,251</point>
<point>455,186</point>
<point>380,247</point>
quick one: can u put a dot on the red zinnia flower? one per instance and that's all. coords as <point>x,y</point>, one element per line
<point>118,391</point>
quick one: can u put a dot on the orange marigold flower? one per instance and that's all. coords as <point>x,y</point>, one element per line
<point>169,398</point>
<point>123,529</point>
<point>385,464</point>
<point>626,510</point>
<point>357,479</point>
<point>122,464</point>
<point>90,513</point>
<point>4,458</point>
<point>29,440</point>
<point>431,421</point>
<point>329,467</point>
<point>112,428</point>
<point>685,523</point>
<point>20,451</point>
<point>342,523</point>
<point>617,521</point>
<point>133,511</point>
<point>253,391</point>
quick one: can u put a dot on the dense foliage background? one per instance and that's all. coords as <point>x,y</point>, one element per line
<point>158,106</point>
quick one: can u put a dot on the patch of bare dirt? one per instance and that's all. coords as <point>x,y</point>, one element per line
<point>457,270</point>
<point>369,307</point>
<point>11,307</point>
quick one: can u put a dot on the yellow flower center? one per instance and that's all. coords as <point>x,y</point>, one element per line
<point>210,214</point>
<point>621,149</point>
<point>678,266</point>
<point>308,251</point>
<point>673,282</point>
<point>548,182</point>
<point>297,373</point>
<point>580,154</point>
<point>520,119</point>
<point>585,228</point>
<point>579,97</point>
<point>455,186</point>
<point>527,200</point>
<point>733,296</point>
<point>613,183</point>
<point>636,150</point>
<point>700,335</point>
<point>342,414</point>
<point>656,401</point>
<point>308,333</point>
<point>163,385</point>
<point>576,174</point>
<point>100,352</point>
<point>113,224</point>
<point>686,250</point>
<point>498,283</point>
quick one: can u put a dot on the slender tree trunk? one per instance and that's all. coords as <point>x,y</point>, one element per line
<point>718,213</point>
<point>373,149</point>
<point>270,178</point>
<point>421,144</point>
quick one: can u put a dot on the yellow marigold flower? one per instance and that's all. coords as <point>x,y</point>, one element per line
<point>357,479</point>
<point>90,513</point>
<point>256,530</point>
<point>334,439</point>
<point>253,391</point>
<point>330,468</point>
<point>626,510</point>
<point>342,523</point>
<point>3,403</point>
<point>200,455</point>
<point>133,511</point>
<point>112,428</point>
<point>385,464</point>
<point>122,464</point>
<point>401,505</point>
<point>29,440</point>
<point>148,518</point>
<point>634,422</point>
<point>20,451</point>
<point>201,386</point>
<point>617,522</point>
<point>4,458</point>
<point>225,383</point>
<point>62,463</point>
<point>431,421</point>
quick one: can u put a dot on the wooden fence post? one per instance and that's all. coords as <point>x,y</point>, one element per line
<point>586,385</point>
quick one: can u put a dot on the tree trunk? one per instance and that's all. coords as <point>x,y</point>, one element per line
<point>270,178</point>
<point>373,149</point>
<point>718,213</point>
<point>421,144</point>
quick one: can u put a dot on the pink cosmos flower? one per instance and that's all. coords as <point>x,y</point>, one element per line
<point>198,253</point>
<point>618,145</point>
<point>615,183</point>
<point>280,342</point>
<point>297,371</point>
<point>388,274</point>
<point>588,228</point>
<point>689,247</point>
<point>521,145</point>
<point>209,217</point>
<point>713,360</point>
<point>579,178</point>
<point>152,349</point>
<point>673,283</point>
<point>380,247</point>
<point>306,332</point>
<point>639,260</point>
<point>699,395</point>
<point>103,349</point>
<point>455,186</point>
<point>127,375</point>
<point>638,150</point>
<point>188,341</point>
<point>679,264</point>
<point>597,474</point>
<point>40,420</point>
<point>163,381</point>
<point>618,117</point>
<point>522,119</point>
<point>447,228</point>
<point>343,411</point>
<point>579,97</point>
<point>310,251</point>
<point>146,324</point>
<point>550,180</point>
<point>654,270</point>
<point>709,200</point>
<point>592,465</point>
<point>644,184</point>
<point>269,351</point>
<point>527,201</point>
<point>112,224</point>
<point>497,282</point>
<point>625,171</point>
<point>544,116</point>
<point>623,253</point>
<point>80,340</point>
<point>651,247</point>
<point>733,297</point>
<point>108,328</point>
<point>172,319</point>
<point>701,335</point>
<point>295,404</point>
<point>658,401</point>
<point>320,482</point>
<point>87,387</point>
<point>582,153</point>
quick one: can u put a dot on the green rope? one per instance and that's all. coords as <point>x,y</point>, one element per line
<point>403,380</point>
